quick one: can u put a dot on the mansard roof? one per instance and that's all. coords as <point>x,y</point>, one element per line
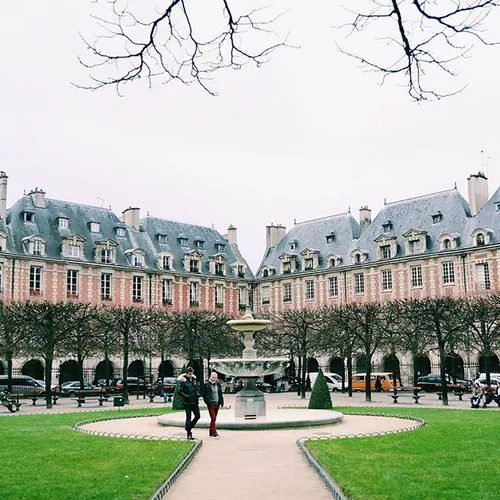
<point>45,223</point>
<point>487,218</point>
<point>312,234</point>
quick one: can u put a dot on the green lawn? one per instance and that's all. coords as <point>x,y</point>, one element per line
<point>42,457</point>
<point>456,456</point>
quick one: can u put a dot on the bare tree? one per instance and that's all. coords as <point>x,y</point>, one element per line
<point>184,40</point>
<point>421,38</point>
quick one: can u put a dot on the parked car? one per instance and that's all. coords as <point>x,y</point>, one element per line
<point>263,386</point>
<point>359,381</point>
<point>69,388</point>
<point>333,380</point>
<point>22,384</point>
<point>432,382</point>
<point>134,385</point>
<point>169,385</point>
<point>494,382</point>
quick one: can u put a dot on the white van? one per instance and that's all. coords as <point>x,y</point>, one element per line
<point>333,380</point>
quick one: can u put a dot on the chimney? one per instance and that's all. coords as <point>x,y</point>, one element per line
<point>38,197</point>
<point>3,195</point>
<point>274,234</point>
<point>478,192</point>
<point>131,216</point>
<point>232,235</point>
<point>365,217</point>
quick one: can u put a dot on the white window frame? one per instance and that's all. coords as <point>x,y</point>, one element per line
<point>309,289</point>
<point>287,293</point>
<point>265,295</point>
<point>194,293</point>
<point>36,247</point>
<point>194,265</point>
<point>359,283</point>
<point>95,227</point>
<point>386,280</point>
<point>63,223</point>
<point>308,264</point>
<point>120,231</point>
<point>219,269</point>
<point>166,291</point>
<point>166,262</point>
<point>73,251</point>
<point>333,286</point>
<point>137,288</point>
<point>385,252</point>
<point>137,259</point>
<point>448,269</point>
<point>106,256</point>
<point>483,279</point>
<point>415,246</point>
<point>106,283</point>
<point>416,276</point>
<point>35,280</point>
<point>219,294</point>
<point>242,296</point>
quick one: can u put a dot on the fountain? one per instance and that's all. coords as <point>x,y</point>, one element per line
<point>250,402</point>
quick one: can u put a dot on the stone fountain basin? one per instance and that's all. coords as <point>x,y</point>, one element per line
<point>257,367</point>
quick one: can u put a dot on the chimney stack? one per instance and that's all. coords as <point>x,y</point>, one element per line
<point>365,217</point>
<point>274,234</point>
<point>3,195</point>
<point>478,192</point>
<point>38,197</point>
<point>232,235</point>
<point>131,217</point>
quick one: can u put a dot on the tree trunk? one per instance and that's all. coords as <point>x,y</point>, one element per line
<point>80,370</point>
<point>9,355</point>
<point>299,377</point>
<point>442,372</point>
<point>49,359</point>
<point>125,368</point>
<point>368,382</point>
<point>349,375</point>
<point>415,370</point>
<point>304,371</point>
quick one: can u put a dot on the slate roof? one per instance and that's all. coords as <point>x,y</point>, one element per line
<point>487,218</point>
<point>79,216</point>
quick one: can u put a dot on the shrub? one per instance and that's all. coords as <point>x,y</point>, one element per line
<point>320,395</point>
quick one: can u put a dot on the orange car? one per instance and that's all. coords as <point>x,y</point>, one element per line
<point>359,381</point>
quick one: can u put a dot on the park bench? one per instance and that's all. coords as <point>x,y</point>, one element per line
<point>152,396</point>
<point>406,390</point>
<point>455,390</point>
<point>83,396</point>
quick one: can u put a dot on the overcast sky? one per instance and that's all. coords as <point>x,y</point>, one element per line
<point>307,135</point>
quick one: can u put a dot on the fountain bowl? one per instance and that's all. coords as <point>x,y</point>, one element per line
<point>241,367</point>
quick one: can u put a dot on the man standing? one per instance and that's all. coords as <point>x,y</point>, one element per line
<point>212,395</point>
<point>188,391</point>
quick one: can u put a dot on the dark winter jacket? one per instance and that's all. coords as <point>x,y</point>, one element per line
<point>206,390</point>
<point>188,390</point>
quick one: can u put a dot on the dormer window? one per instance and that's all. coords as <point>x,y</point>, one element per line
<point>37,247</point>
<point>241,271</point>
<point>63,223</point>
<point>73,251</point>
<point>387,226</point>
<point>162,238</point>
<point>330,238</point>
<point>294,244</point>
<point>287,267</point>
<point>437,217</point>
<point>165,262</point>
<point>385,252</point>
<point>310,259</point>
<point>480,240</point>
<point>415,241</point>
<point>357,259</point>
<point>265,273</point>
<point>95,227</point>
<point>359,256</point>
<point>219,269</point>
<point>448,241</point>
<point>308,264</point>
<point>481,237</point>
<point>137,259</point>
<point>497,206</point>
<point>29,217</point>
<point>415,246</point>
<point>334,260</point>
<point>219,247</point>
<point>200,244</point>
<point>446,244</point>
<point>331,263</point>
<point>73,246</point>
<point>120,231</point>
<point>194,266</point>
<point>184,242</point>
<point>106,256</point>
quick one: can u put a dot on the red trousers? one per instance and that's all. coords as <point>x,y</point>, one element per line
<point>212,411</point>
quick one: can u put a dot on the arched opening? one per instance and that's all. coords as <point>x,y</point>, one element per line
<point>390,363</point>
<point>69,371</point>
<point>3,370</point>
<point>136,368</point>
<point>104,371</point>
<point>480,240</point>
<point>447,244</point>
<point>361,364</point>
<point>265,273</point>
<point>493,363</point>
<point>336,365</point>
<point>423,365</point>
<point>454,366</point>
<point>312,365</point>
<point>166,369</point>
<point>33,368</point>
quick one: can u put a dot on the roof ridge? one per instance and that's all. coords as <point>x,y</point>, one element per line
<point>80,204</point>
<point>421,196</point>
<point>181,222</point>
<point>322,218</point>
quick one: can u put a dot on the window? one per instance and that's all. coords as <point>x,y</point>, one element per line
<point>309,290</point>
<point>63,223</point>
<point>184,242</point>
<point>446,244</point>
<point>200,245</point>
<point>95,227</point>
<point>387,226</point>
<point>333,287</point>
<point>357,259</point>
<point>37,247</point>
<point>106,256</point>
<point>35,280</point>
<point>166,292</point>
<point>29,217</point>
<point>308,264</point>
<point>242,297</point>
<point>416,276</point>
<point>106,286</point>
<point>359,283</point>
<point>219,269</point>
<point>415,246</point>
<point>437,218</point>
<point>293,246</point>
<point>330,238</point>
<point>165,262</point>
<point>136,288</point>
<point>265,273</point>
<point>448,273</point>
<point>265,295</point>
<point>194,266</point>
<point>219,247</point>
<point>219,295</point>
<point>241,272</point>
<point>332,263</point>
<point>137,260</point>
<point>162,238</point>
<point>480,240</point>
<point>73,251</point>
<point>483,277</point>
<point>497,206</point>
<point>193,294</point>
<point>387,280</point>
<point>287,292</point>
<point>287,267</point>
<point>120,231</point>
<point>72,283</point>
<point>385,252</point>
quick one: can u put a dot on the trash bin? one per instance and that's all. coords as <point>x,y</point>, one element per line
<point>118,401</point>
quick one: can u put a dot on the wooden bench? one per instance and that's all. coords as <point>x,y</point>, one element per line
<point>459,394</point>
<point>415,397</point>
<point>84,399</point>
<point>397,394</point>
<point>152,396</point>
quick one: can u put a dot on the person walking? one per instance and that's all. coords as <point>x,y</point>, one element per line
<point>212,395</point>
<point>188,391</point>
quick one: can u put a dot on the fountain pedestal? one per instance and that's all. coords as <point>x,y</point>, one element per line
<point>250,402</point>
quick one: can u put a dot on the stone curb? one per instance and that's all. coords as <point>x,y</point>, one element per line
<point>323,474</point>
<point>169,482</point>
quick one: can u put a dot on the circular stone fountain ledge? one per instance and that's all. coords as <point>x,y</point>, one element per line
<point>274,419</point>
